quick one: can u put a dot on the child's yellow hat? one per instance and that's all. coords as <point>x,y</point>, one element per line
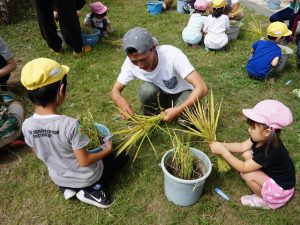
<point>42,71</point>
<point>219,4</point>
<point>278,29</point>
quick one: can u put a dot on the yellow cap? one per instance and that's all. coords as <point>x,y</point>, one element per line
<point>219,4</point>
<point>278,29</point>
<point>42,71</point>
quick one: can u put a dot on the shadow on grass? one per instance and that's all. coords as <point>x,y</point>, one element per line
<point>19,11</point>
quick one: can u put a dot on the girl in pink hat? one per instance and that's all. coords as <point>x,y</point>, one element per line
<point>192,33</point>
<point>98,19</point>
<point>266,167</point>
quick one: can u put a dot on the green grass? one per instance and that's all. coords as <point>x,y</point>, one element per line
<point>28,196</point>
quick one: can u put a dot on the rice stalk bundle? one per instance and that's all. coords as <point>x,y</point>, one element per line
<point>239,11</point>
<point>183,160</point>
<point>204,116</point>
<point>87,126</point>
<point>140,128</point>
<point>255,28</point>
<point>115,43</point>
<point>87,30</point>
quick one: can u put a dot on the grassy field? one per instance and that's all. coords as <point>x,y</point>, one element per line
<point>28,196</point>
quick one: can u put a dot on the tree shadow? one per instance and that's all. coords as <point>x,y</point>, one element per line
<point>19,11</point>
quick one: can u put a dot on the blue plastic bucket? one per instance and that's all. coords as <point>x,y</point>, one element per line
<point>274,4</point>
<point>184,192</point>
<point>104,131</point>
<point>180,5</point>
<point>90,39</point>
<point>154,8</point>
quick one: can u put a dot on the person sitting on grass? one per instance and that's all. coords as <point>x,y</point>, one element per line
<point>11,119</point>
<point>98,19</point>
<point>267,167</point>
<point>290,13</point>
<point>192,33</point>
<point>59,141</point>
<point>232,9</point>
<point>215,27</point>
<point>266,53</point>
<point>7,65</point>
<point>171,82</point>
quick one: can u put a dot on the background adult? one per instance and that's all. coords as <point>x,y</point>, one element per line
<point>68,21</point>
<point>7,64</point>
<point>171,82</point>
<point>290,13</point>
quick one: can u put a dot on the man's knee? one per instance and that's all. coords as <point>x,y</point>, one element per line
<point>149,92</point>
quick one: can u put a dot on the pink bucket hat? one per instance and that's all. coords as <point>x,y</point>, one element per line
<point>270,112</point>
<point>98,7</point>
<point>201,5</point>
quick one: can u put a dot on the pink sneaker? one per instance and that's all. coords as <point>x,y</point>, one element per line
<point>254,201</point>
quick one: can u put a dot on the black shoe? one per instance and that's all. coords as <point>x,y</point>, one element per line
<point>68,192</point>
<point>96,197</point>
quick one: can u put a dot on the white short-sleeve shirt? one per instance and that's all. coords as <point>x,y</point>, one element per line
<point>169,75</point>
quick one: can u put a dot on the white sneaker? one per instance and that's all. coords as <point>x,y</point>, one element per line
<point>68,193</point>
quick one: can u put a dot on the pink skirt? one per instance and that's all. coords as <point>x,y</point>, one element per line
<point>274,195</point>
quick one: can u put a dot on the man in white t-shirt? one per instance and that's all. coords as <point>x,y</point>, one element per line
<point>171,82</point>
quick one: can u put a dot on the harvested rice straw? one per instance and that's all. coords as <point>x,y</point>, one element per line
<point>239,11</point>
<point>205,118</point>
<point>140,129</point>
<point>255,27</point>
<point>87,126</point>
<point>183,160</point>
<point>115,43</point>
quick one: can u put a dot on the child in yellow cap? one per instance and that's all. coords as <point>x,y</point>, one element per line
<point>58,140</point>
<point>215,27</point>
<point>266,53</point>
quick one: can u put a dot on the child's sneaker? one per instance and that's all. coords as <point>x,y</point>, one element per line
<point>254,201</point>
<point>96,197</point>
<point>68,193</point>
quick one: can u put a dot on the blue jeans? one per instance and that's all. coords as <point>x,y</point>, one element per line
<point>153,100</point>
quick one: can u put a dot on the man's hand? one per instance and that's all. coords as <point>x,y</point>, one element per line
<point>217,148</point>
<point>125,110</point>
<point>171,113</point>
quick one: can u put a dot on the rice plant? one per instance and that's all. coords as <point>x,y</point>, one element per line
<point>183,160</point>
<point>256,28</point>
<point>137,130</point>
<point>115,43</point>
<point>87,126</point>
<point>203,118</point>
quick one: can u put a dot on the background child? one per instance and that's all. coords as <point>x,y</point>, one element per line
<point>215,27</point>
<point>98,19</point>
<point>58,140</point>
<point>266,53</point>
<point>267,168</point>
<point>192,33</point>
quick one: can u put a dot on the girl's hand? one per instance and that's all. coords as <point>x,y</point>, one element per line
<point>217,148</point>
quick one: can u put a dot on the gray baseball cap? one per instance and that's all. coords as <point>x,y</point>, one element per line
<point>140,39</point>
